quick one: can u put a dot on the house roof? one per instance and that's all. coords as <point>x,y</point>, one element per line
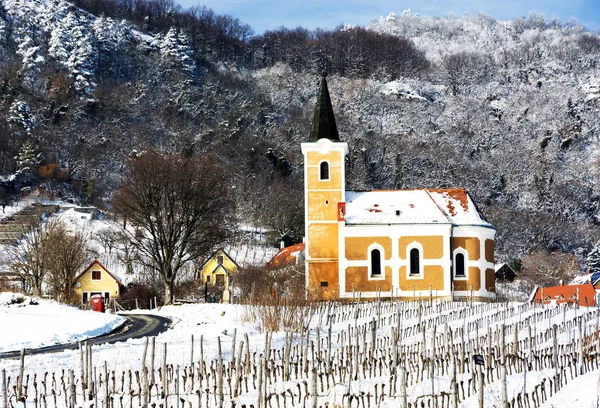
<point>215,254</point>
<point>568,292</point>
<point>97,262</point>
<point>324,126</point>
<point>417,206</point>
<point>592,278</point>
<point>286,256</point>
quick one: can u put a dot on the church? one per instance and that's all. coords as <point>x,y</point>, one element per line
<point>400,244</point>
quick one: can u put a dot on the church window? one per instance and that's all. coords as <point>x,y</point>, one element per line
<point>415,259</point>
<point>459,265</point>
<point>376,262</point>
<point>324,171</point>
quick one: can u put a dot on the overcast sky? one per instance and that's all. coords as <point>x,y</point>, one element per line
<point>269,14</point>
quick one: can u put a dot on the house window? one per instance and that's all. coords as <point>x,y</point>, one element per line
<point>207,278</point>
<point>220,279</point>
<point>96,275</point>
<point>220,259</point>
<point>84,298</point>
<point>376,262</point>
<point>324,171</point>
<point>106,297</point>
<point>459,267</point>
<point>415,258</point>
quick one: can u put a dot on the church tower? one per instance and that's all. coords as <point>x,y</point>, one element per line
<point>324,198</point>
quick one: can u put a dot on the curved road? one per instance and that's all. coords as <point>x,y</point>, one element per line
<point>135,326</point>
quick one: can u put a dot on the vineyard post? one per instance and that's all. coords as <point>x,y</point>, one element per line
<point>260,394</point>
<point>90,383</point>
<point>403,386</point>
<point>72,394</point>
<point>165,384</point>
<point>525,368</point>
<point>555,357</point>
<point>481,375</point>
<point>152,352</point>
<point>4,390</point>
<point>580,361</point>
<point>313,387</point>
<point>453,385</point>
<point>192,353</point>
<point>220,396</point>
<point>105,386</point>
<point>432,363</point>
<point>81,368</point>
<point>21,369</point>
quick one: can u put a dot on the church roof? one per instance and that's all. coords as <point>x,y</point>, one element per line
<point>418,206</point>
<point>324,126</point>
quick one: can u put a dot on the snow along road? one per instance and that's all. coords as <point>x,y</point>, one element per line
<point>135,326</point>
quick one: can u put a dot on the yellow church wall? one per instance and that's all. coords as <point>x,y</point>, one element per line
<point>474,281</point>
<point>323,240</point>
<point>432,275</point>
<point>357,248</point>
<point>323,272</point>
<point>470,244</point>
<point>490,280</point>
<point>105,284</point>
<point>357,278</point>
<point>322,205</point>
<point>213,263</point>
<point>315,158</point>
<point>433,246</point>
<point>489,250</point>
<point>334,182</point>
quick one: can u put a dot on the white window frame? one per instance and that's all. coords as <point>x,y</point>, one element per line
<point>465,254</point>
<point>381,262</point>
<point>419,247</point>
<point>328,171</point>
<point>92,275</point>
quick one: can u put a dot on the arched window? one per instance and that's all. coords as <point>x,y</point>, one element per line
<point>414,262</point>
<point>459,266</point>
<point>324,171</point>
<point>376,262</point>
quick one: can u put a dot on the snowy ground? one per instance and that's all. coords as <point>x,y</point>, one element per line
<point>48,323</point>
<point>32,323</point>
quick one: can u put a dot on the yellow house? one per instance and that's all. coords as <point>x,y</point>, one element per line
<point>96,279</point>
<point>406,244</point>
<point>218,270</point>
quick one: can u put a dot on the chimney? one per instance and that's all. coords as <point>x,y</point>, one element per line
<point>281,244</point>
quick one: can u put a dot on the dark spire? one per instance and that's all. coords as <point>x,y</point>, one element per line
<point>324,122</point>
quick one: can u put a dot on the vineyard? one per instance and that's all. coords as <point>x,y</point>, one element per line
<point>371,354</point>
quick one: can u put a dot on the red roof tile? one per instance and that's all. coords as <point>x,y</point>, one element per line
<point>567,294</point>
<point>286,256</point>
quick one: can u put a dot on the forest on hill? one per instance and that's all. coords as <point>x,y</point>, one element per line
<point>508,110</point>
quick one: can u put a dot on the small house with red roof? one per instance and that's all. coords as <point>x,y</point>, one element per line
<point>405,244</point>
<point>96,279</point>
<point>584,295</point>
<point>291,255</point>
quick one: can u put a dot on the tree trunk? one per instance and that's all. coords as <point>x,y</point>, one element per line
<point>169,293</point>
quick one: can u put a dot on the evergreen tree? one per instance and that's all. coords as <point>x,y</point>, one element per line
<point>593,258</point>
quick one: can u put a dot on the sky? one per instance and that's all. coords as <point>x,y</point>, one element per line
<point>264,15</point>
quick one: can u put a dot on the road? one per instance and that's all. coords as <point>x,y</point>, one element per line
<point>136,326</point>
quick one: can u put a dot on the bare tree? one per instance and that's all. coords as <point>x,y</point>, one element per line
<point>548,269</point>
<point>181,207</point>
<point>66,254</point>
<point>28,256</point>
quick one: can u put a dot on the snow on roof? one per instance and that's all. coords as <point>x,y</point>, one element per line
<point>592,278</point>
<point>287,256</point>
<point>419,206</point>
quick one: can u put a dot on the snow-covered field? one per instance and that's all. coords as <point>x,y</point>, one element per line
<point>214,323</point>
<point>32,323</point>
